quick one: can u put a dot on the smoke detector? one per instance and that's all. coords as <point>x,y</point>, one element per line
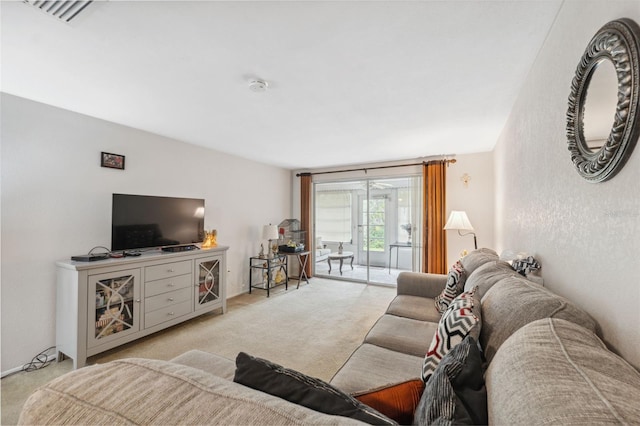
<point>258,85</point>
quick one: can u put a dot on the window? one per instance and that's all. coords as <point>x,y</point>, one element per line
<point>404,215</point>
<point>333,216</point>
<point>376,215</point>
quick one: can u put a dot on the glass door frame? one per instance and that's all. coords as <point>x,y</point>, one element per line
<point>363,258</point>
<point>366,228</point>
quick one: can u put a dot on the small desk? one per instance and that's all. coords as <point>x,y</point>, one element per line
<point>396,246</point>
<point>303,259</point>
<point>341,257</point>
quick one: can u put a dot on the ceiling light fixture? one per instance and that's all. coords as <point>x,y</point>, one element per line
<point>258,85</point>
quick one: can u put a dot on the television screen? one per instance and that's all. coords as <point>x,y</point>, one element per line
<point>142,221</point>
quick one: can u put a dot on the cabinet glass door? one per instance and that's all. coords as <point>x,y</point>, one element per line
<point>114,305</point>
<point>208,281</point>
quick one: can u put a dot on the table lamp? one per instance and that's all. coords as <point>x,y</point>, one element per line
<point>270,232</point>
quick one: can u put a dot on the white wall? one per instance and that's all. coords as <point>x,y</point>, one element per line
<point>476,199</point>
<point>56,202</point>
<point>587,236</point>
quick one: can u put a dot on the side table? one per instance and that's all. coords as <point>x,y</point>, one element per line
<point>303,259</point>
<point>341,257</point>
<point>270,267</point>
<point>397,247</point>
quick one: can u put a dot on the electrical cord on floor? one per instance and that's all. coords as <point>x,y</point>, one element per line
<point>39,361</point>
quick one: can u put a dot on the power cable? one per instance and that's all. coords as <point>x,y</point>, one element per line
<point>39,361</point>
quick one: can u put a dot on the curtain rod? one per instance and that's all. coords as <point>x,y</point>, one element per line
<point>365,169</point>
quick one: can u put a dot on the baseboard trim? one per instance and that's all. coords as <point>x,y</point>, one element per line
<point>19,369</point>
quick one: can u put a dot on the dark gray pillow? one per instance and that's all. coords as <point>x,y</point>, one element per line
<point>265,376</point>
<point>455,393</point>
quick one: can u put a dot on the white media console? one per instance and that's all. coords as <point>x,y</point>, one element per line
<point>106,303</point>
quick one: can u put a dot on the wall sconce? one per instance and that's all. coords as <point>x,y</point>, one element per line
<point>459,221</point>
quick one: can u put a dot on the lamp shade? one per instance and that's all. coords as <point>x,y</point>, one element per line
<point>269,232</point>
<point>458,220</point>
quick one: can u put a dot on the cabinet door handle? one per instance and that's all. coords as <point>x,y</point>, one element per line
<point>171,285</point>
<point>170,270</point>
<point>171,313</point>
<point>138,301</point>
<point>171,299</point>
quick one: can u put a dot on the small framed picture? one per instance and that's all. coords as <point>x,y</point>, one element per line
<point>112,161</point>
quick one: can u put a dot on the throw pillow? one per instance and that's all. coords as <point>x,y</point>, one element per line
<point>454,286</point>
<point>456,393</point>
<point>461,318</point>
<point>398,402</point>
<point>265,376</point>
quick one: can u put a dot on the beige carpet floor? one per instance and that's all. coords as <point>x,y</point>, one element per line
<point>312,329</point>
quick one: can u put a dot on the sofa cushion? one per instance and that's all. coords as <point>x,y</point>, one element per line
<point>372,367</point>
<point>477,258</point>
<point>461,317</point>
<point>398,402</point>
<point>322,252</point>
<point>420,284</point>
<point>146,392</point>
<point>293,386</point>
<point>455,285</point>
<point>514,302</point>
<point>415,307</point>
<point>553,371</point>
<point>211,363</point>
<point>456,393</point>
<point>485,276</point>
<point>401,334</point>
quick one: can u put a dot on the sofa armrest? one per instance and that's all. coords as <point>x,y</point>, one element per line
<point>421,284</point>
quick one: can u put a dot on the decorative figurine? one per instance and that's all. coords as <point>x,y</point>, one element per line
<point>210,239</point>
<point>407,228</point>
<point>261,250</point>
<point>340,248</point>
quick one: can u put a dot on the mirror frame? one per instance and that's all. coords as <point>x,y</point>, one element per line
<point>619,42</point>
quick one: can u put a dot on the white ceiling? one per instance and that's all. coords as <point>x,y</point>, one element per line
<point>350,81</point>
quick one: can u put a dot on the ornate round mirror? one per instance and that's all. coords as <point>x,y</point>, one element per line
<point>604,108</point>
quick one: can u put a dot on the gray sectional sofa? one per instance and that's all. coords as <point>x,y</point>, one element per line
<point>544,365</point>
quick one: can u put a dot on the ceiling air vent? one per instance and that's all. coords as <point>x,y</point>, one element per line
<point>63,10</point>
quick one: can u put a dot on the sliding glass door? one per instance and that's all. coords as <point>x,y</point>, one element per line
<point>365,230</point>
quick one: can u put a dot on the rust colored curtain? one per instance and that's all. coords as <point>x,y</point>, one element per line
<point>305,214</point>
<point>434,208</point>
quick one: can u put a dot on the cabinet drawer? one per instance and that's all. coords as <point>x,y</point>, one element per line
<point>158,272</point>
<point>166,314</point>
<point>167,299</point>
<point>154,288</point>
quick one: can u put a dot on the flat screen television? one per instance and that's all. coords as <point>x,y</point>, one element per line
<point>144,221</point>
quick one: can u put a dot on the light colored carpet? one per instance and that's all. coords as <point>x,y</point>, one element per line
<point>312,329</point>
<point>377,275</point>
